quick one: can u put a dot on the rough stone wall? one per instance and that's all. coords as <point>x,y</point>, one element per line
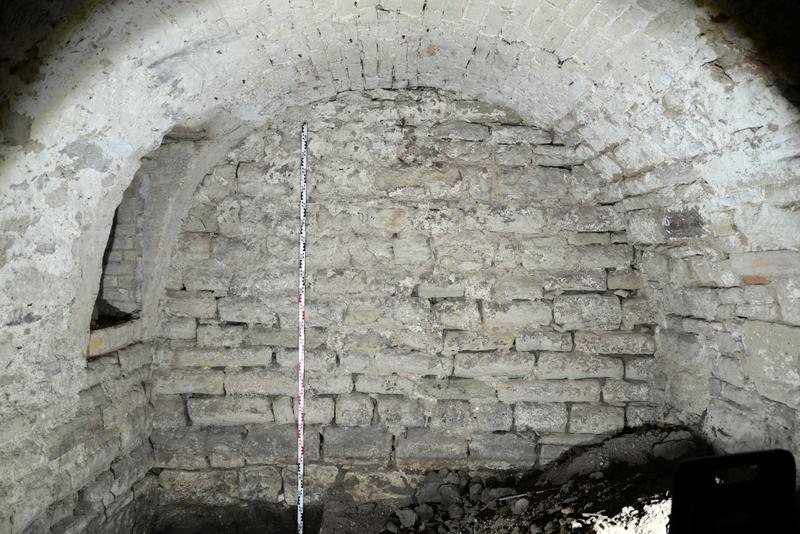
<point>92,469</point>
<point>644,84</point>
<point>723,272</point>
<point>122,269</point>
<point>473,300</point>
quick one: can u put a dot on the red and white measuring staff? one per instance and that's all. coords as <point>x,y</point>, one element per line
<point>301,316</point>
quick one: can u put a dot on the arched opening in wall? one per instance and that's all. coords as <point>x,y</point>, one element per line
<point>119,296</point>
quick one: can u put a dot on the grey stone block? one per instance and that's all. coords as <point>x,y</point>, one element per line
<point>456,314</point>
<point>476,341</point>
<point>421,446</point>
<point>410,363</point>
<point>459,416</point>
<point>205,381</point>
<point>199,305</point>
<point>541,417</point>
<point>517,314</point>
<point>623,391</point>
<point>502,449</point>
<point>270,381</point>
<point>595,419</point>
<point>218,357</point>
<point>178,328</point>
<point>517,390</point>
<point>199,487</point>
<point>626,279</point>
<point>358,445</point>
<point>354,410</point>
<point>247,310</point>
<point>217,335</point>
<point>544,340</point>
<point>593,280</point>
<point>577,365</point>
<point>260,483</point>
<point>454,388</point>
<point>277,444</point>
<point>229,411</point>
<point>592,312</point>
<point>615,342</point>
<point>461,130</point>
<point>490,364</point>
<point>395,411</point>
<point>384,385</point>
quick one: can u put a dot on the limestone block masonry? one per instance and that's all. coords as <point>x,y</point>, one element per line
<point>459,305</point>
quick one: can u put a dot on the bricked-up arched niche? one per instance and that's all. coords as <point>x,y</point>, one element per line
<point>696,146</point>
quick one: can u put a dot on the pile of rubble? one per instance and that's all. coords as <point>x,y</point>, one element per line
<point>622,481</point>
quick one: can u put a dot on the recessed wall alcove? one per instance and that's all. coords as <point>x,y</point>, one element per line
<point>531,227</point>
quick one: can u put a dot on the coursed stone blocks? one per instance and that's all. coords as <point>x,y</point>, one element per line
<point>589,311</point>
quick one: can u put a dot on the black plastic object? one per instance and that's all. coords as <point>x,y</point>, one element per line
<point>749,493</point>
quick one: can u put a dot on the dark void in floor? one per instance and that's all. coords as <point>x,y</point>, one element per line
<point>255,519</point>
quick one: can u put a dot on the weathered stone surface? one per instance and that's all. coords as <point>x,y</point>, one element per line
<point>459,315</point>
<point>409,363</point>
<point>260,483</point>
<point>574,312</point>
<point>595,419</point>
<point>502,449</point>
<point>464,417</point>
<point>384,385</point>
<point>587,218</point>
<point>788,293</point>
<point>114,338</point>
<point>354,410</point>
<point>544,340</point>
<point>270,381</point>
<point>778,264</point>
<point>247,310</point>
<point>644,369</point>
<point>225,411</point>
<point>540,417</point>
<point>200,305</point>
<point>772,360</point>
<point>215,335</point>
<point>517,315</point>
<point>461,130</point>
<point>594,280</point>
<point>577,365</point>
<point>626,279</point>
<point>615,342</point>
<point>204,381</point>
<point>476,341</point>
<point>178,328</point>
<point>454,388</point>
<point>488,364</point>
<point>510,288</point>
<point>359,444</point>
<point>513,155</point>
<point>623,391</point>
<point>220,357</point>
<point>440,291</point>
<point>199,487</point>
<point>317,481</point>
<point>638,311</point>
<point>508,135</point>
<point>396,411</point>
<point>277,444</point>
<point>516,390</point>
<point>421,446</point>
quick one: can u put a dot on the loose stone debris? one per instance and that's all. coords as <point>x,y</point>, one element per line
<point>618,486</point>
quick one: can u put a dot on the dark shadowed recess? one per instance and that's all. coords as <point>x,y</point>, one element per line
<point>773,27</point>
<point>256,519</point>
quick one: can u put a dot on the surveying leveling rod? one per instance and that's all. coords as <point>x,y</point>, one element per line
<point>301,315</point>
